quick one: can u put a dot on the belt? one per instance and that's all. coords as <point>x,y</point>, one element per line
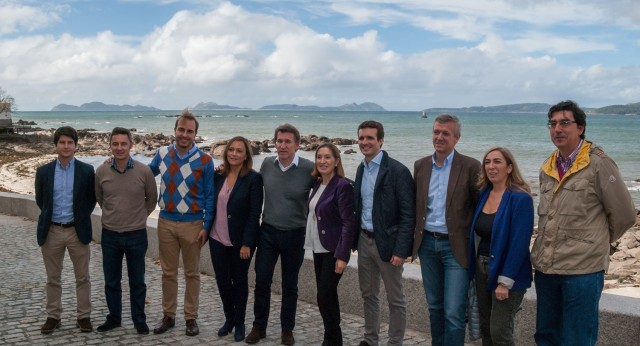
<point>437,235</point>
<point>64,225</point>
<point>368,234</point>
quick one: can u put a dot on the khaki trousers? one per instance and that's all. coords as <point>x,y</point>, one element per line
<point>174,237</point>
<point>59,239</point>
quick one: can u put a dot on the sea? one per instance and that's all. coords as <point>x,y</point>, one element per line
<point>407,134</point>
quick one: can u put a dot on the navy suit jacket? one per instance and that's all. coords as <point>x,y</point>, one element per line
<point>510,239</point>
<point>394,212</point>
<point>336,217</point>
<point>243,209</point>
<point>84,199</point>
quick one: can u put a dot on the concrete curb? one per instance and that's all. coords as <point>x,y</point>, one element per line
<point>619,315</point>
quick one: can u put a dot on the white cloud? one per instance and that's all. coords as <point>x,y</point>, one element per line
<point>230,55</point>
<point>17,17</point>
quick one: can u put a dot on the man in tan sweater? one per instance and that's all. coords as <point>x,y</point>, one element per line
<point>127,193</point>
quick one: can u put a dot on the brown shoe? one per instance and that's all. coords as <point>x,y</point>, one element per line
<point>255,335</point>
<point>192,328</point>
<point>85,325</point>
<point>50,325</point>
<point>287,337</point>
<point>164,325</point>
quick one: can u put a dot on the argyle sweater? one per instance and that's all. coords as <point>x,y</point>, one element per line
<point>186,185</point>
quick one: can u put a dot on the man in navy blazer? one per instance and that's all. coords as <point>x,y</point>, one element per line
<point>65,194</point>
<point>385,213</point>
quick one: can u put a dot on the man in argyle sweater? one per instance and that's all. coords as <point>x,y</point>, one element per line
<point>186,214</point>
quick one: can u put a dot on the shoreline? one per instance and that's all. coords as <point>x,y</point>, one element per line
<point>20,155</point>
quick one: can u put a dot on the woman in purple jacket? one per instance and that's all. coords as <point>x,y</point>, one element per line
<point>499,245</point>
<point>331,229</point>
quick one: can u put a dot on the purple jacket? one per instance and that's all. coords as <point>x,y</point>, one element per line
<point>336,216</point>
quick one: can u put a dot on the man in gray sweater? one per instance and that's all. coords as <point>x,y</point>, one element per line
<point>127,193</point>
<point>287,181</point>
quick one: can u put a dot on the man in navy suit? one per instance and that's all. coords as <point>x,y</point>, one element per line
<point>65,194</point>
<point>385,213</point>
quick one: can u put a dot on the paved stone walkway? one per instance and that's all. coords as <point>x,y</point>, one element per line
<point>22,304</point>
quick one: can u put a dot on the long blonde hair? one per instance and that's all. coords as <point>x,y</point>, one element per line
<point>514,179</point>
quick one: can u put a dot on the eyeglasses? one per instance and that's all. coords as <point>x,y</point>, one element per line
<point>563,123</point>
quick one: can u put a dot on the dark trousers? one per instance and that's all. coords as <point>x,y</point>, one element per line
<point>133,246</point>
<point>232,280</point>
<point>327,286</point>
<point>289,246</point>
<point>496,316</point>
<point>567,308</point>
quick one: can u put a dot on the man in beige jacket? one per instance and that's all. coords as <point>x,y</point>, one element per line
<point>584,206</point>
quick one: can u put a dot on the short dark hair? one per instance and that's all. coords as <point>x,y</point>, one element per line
<point>248,162</point>
<point>372,124</point>
<point>568,105</point>
<point>339,170</point>
<point>287,128</point>
<point>120,131</point>
<point>65,131</point>
<point>186,115</point>
<point>449,118</point>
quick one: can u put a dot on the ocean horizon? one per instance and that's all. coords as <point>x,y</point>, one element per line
<point>407,134</point>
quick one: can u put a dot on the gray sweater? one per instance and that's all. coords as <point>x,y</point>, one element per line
<point>286,194</point>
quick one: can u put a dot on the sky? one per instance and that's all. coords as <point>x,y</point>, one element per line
<point>404,55</point>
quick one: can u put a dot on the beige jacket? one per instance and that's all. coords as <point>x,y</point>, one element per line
<point>581,214</point>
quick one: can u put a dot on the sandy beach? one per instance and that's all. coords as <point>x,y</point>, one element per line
<point>20,155</point>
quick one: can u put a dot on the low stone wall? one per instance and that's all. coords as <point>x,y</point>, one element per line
<point>619,316</point>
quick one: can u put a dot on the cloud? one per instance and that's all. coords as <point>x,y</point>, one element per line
<point>231,55</point>
<point>17,18</point>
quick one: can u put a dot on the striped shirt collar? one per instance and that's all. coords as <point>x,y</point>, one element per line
<point>566,163</point>
<point>129,165</point>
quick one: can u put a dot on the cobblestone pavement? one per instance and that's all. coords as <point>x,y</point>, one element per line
<point>22,304</point>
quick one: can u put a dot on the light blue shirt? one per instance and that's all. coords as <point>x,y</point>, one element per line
<point>437,198</point>
<point>369,176</point>
<point>188,153</point>
<point>63,192</point>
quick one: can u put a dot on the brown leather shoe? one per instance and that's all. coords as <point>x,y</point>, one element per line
<point>50,325</point>
<point>287,337</point>
<point>255,335</point>
<point>164,325</point>
<point>192,328</point>
<point>85,325</point>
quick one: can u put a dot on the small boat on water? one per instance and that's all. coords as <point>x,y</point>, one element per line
<point>424,114</point>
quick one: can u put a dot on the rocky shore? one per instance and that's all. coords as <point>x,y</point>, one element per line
<point>21,154</point>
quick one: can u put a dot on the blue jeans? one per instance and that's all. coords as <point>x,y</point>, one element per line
<point>133,246</point>
<point>289,246</point>
<point>446,286</point>
<point>568,308</point>
<point>232,280</point>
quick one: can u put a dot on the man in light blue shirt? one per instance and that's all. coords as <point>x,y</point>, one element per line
<point>446,197</point>
<point>66,198</point>
<point>384,201</point>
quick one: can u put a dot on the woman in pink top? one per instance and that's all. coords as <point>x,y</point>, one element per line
<point>239,194</point>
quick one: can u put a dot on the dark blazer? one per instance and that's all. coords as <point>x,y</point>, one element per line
<point>84,199</point>
<point>336,216</point>
<point>510,239</point>
<point>462,198</point>
<point>243,209</point>
<point>393,208</point>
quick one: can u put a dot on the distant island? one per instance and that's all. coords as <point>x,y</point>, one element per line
<point>212,106</point>
<point>350,107</point>
<point>99,107</point>
<point>631,109</point>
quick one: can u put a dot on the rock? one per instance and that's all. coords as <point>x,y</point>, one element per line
<point>218,151</point>
<point>349,151</point>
